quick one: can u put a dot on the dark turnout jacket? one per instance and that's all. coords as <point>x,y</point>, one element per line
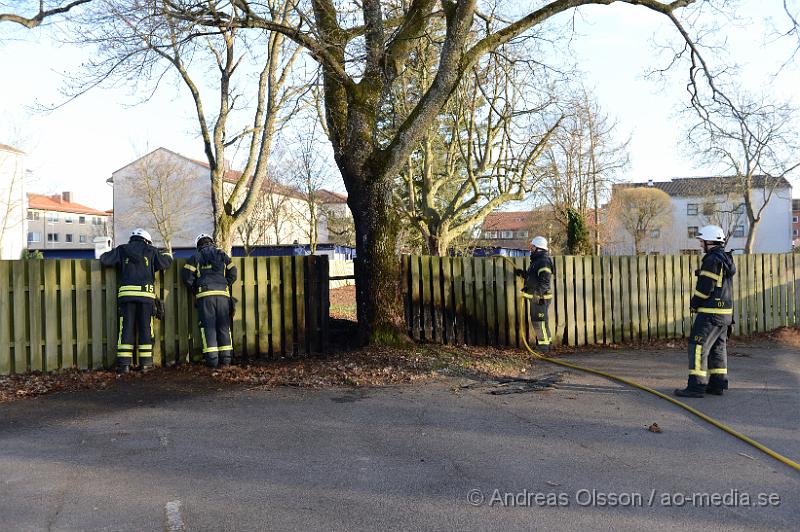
<point>137,262</point>
<point>209,272</point>
<point>713,293</point>
<point>538,277</point>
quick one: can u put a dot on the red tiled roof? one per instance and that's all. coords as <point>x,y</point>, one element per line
<point>233,176</point>
<point>57,204</point>
<point>328,196</point>
<point>508,221</point>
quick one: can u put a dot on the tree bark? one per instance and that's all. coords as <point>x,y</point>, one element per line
<point>377,265</point>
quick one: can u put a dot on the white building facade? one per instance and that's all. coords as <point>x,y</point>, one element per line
<point>697,202</point>
<point>13,226</point>
<point>281,215</point>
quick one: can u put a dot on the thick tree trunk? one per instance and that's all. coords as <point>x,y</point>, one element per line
<point>224,230</point>
<point>381,318</point>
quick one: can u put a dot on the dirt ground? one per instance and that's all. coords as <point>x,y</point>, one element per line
<point>359,367</point>
<point>343,303</point>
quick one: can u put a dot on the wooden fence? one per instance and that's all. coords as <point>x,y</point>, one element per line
<point>62,313</point>
<point>597,300</point>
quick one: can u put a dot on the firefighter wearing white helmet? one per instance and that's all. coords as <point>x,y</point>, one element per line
<point>209,274</point>
<point>712,301</point>
<point>137,303</point>
<point>537,290</point>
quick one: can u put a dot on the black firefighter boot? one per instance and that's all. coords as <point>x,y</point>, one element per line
<point>717,384</point>
<point>694,388</point>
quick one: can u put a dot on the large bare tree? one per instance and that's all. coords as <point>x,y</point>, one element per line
<point>755,141</point>
<point>362,47</point>
<point>240,108</point>
<point>31,13</point>
<point>482,151</point>
<point>584,159</point>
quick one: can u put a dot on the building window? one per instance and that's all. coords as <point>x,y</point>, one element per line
<point>82,239</point>
<point>52,217</point>
<point>96,220</point>
<point>34,215</point>
<point>522,234</point>
<point>708,209</point>
<point>81,220</point>
<point>795,219</point>
<point>52,237</point>
<point>691,209</point>
<point>692,231</point>
<point>68,238</point>
<point>490,234</point>
<point>68,219</point>
<point>738,231</point>
<point>507,234</point>
<point>690,252</point>
<point>795,232</point>
<point>739,209</point>
<point>655,233</point>
<point>34,236</point>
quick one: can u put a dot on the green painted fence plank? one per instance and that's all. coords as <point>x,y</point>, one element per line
<point>51,336</point>
<point>796,268</point>
<point>300,304</point>
<point>616,299</point>
<point>625,300</point>
<point>262,299</point>
<point>481,327</point>
<point>5,319</point>
<point>249,306</point>
<point>170,284</point>
<point>783,307</point>
<point>67,313</point>
<point>276,316</point>
<point>36,334</point>
<point>458,300</point>
<point>438,306</point>
<point>427,298</point>
<point>111,315</point>
<point>608,309</point>
<point>96,313</point>
<point>569,300</point>
<point>490,301</point>
<point>20,282</point>
<point>447,301</point>
<point>287,286</point>
<point>588,290</point>
<point>580,301</point>
<point>761,292</point>
<point>633,294</point>
<point>416,298</point>
<point>470,312</point>
<point>82,270</point>
<point>500,300</point>
<point>597,299</point>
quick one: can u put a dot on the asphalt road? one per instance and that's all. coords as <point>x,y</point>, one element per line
<point>152,454</point>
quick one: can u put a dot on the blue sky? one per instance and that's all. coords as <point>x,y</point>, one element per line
<point>79,145</point>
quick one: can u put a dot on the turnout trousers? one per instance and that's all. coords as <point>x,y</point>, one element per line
<point>135,329</point>
<point>215,329</point>
<point>708,350</point>
<point>541,328</point>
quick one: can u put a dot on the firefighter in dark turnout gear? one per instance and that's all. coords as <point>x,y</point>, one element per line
<point>137,263</point>
<point>712,301</point>
<point>537,290</point>
<point>209,273</point>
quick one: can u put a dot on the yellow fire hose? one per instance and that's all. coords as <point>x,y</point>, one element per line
<point>777,456</point>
